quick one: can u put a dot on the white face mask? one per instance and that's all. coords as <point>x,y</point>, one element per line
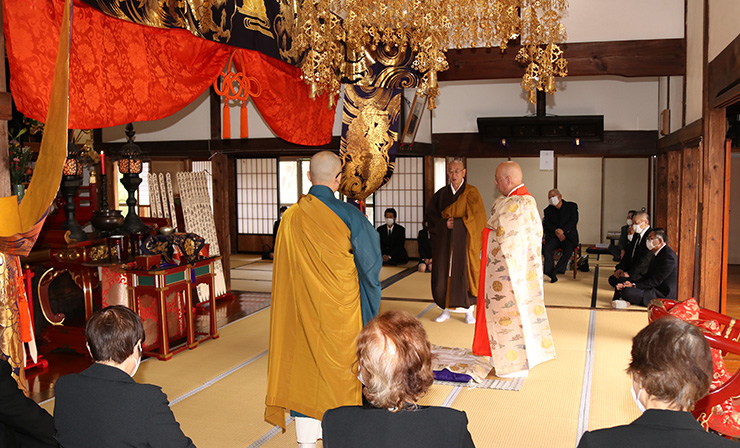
<point>636,397</point>
<point>389,221</point>
<point>554,201</point>
<point>630,236</point>
<point>637,228</point>
<point>138,360</point>
<point>650,244</point>
<point>629,222</point>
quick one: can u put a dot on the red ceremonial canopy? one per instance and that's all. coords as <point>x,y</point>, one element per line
<point>121,72</point>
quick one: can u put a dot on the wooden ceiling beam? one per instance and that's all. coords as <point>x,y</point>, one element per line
<point>629,58</point>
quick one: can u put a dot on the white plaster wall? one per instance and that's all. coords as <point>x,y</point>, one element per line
<point>677,104</point>
<point>481,173</point>
<point>670,93</point>
<point>694,60</point>
<point>626,103</point>
<point>190,123</point>
<point>724,25</point>
<point>605,20</point>
<point>579,180</point>
<point>625,188</point>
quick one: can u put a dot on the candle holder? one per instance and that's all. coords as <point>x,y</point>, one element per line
<point>130,165</point>
<point>106,221</point>
<point>71,182</point>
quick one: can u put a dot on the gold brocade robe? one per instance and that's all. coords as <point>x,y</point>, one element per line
<point>518,330</point>
<point>315,315</point>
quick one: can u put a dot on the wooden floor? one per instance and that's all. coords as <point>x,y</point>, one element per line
<point>63,362</point>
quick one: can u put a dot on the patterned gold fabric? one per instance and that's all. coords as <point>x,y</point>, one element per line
<point>11,287</point>
<point>518,329</point>
<point>370,126</point>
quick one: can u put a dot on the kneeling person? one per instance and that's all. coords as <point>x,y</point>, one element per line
<point>103,405</point>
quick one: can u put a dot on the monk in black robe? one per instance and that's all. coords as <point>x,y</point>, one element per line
<point>456,217</point>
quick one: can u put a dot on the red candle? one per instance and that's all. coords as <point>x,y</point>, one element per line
<point>102,162</point>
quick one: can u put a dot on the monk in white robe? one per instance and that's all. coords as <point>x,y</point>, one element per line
<point>512,326</point>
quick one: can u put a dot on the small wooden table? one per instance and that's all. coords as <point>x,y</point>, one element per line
<point>163,282</point>
<point>160,283</point>
<point>202,272</point>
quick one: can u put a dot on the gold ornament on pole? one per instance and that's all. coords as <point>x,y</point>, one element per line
<point>329,30</point>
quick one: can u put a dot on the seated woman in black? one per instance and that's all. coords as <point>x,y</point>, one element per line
<point>671,370</point>
<point>395,364</point>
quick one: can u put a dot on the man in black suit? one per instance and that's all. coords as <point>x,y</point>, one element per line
<point>671,370</point>
<point>660,281</point>
<point>560,232</point>
<point>103,405</point>
<point>637,256</point>
<point>23,423</point>
<point>393,240</point>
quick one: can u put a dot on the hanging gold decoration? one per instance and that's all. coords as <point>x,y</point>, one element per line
<point>328,30</point>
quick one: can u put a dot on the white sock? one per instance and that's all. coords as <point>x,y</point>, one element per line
<point>443,317</point>
<point>307,431</point>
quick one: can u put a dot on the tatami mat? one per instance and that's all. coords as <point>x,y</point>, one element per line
<point>416,286</point>
<point>261,264</point>
<point>251,285</point>
<point>251,274</point>
<point>545,411</point>
<point>569,291</point>
<point>238,260</point>
<point>240,403</point>
<point>611,400</point>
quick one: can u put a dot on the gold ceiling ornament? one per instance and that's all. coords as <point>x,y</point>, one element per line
<point>540,34</point>
<point>328,30</point>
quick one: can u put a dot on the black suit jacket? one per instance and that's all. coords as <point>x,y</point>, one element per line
<point>394,245</point>
<point>661,279</point>
<point>368,427</point>
<point>23,423</point>
<point>656,429</point>
<point>104,407</point>
<point>566,218</point>
<point>638,264</point>
<point>425,248</point>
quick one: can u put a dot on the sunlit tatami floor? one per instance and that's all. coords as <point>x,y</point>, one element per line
<point>217,390</point>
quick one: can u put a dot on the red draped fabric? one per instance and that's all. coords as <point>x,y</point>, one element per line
<point>284,102</point>
<point>121,72</point>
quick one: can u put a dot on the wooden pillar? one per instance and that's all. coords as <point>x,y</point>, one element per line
<point>661,192</point>
<point>713,232</point>
<point>428,179</point>
<point>673,195</point>
<point>685,246</point>
<point>231,180</point>
<point>222,211</point>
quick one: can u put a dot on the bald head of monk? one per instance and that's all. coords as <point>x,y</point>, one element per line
<point>508,177</point>
<point>325,169</point>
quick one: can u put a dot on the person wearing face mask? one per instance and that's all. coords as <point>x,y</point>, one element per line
<point>625,236</point>
<point>393,240</point>
<point>659,282</point>
<point>103,405</point>
<point>637,256</point>
<point>671,370</point>
<point>560,232</point>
